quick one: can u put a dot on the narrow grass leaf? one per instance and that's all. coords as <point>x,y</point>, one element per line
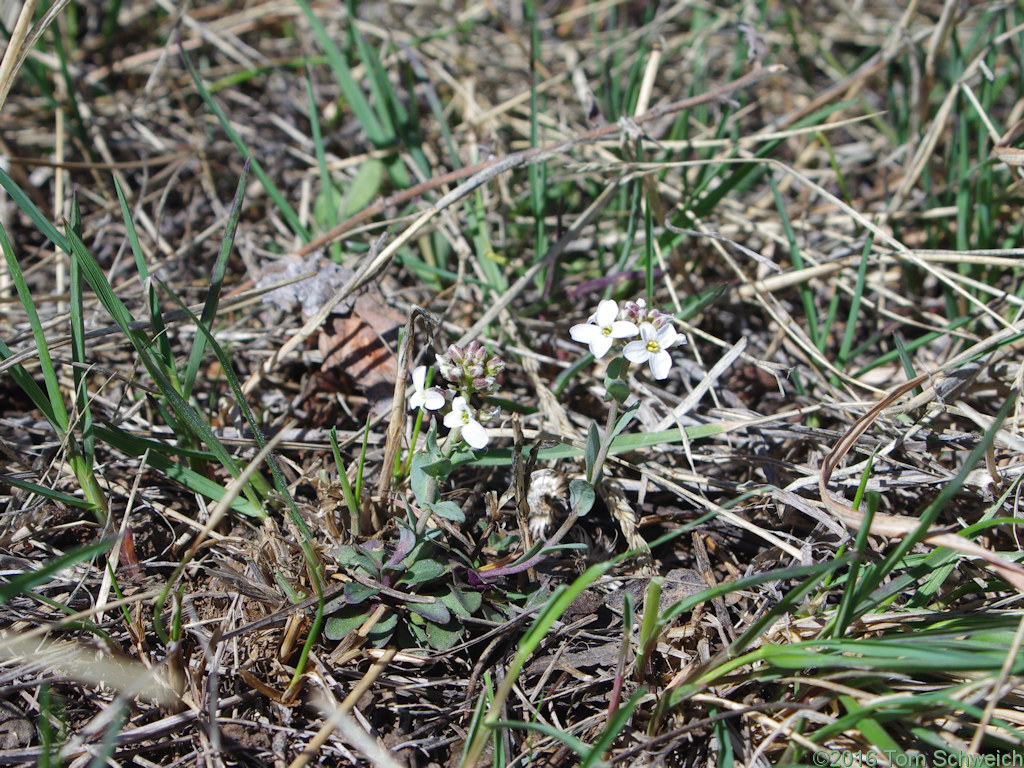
<point>27,384</point>
<point>216,284</point>
<point>268,184</point>
<point>46,493</point>
<point>22,583</point>
<point>186,415</point>
<point>853,317</point>
<point>553,610</point>
<point>346,487</point>
<point>156,319</point>
<point>806,291</point>
<point>41,222</point>
<point>76,324</point>
<point>353,94</point>
<point>56,408</point>
<point>159,458</point>
<point>944,498</point>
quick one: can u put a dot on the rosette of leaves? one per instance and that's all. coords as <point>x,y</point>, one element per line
<point>418,582</point>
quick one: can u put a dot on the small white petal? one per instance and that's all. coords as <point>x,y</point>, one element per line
<point>432,400</point>
<point>623,329</point>
<point>584,332</point>
<point>648,332</point>
<point>636,352</point>
<point>660,364</point>
<point>599,345</point>
<point>667,336</point>
<point>458,415</point>
<point>474,434</point>
<point>419,377</point>
<point>606,313</point>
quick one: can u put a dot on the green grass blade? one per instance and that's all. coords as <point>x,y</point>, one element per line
<point>537,172</point>
<point>274,193</point>
<point>19,585</point>
<point>27,384</point>
<point>55,399</point>
<point>47,493</point>
<point>852,593</point>
<point>353,94</point>
<point>612,730</point>
<point>39,221</point>
<point>850,331</point>
<point>325,209</point>
<point>877,574</point>
<point>346,487</point>
<point>576,745</point>
<point>156,318</point>
<point>159,458</point>
<point>216,284</point>
<point>553,610</point>
<point>187,417</point>
<point>806,291</point>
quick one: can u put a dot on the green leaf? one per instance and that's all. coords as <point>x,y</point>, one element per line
<point>436,612</point>
<point>439,468</point>
<point>614,379</point>
<point>344,622</point>
<point>617,369</point>
<point>422,481</point>
<point>462,604</point>
<point>593,447</point>
<point>617,389</point>
<point>324,208</point>
<point>364,187</point>
<point>346,554</point>
<point>581,496</point>
<point>624,419</point>
<point>358,556</point>
<point>423,570</point>
<point>449,510</point>
<point>356,593</point>
<point>350,619</point>
<point>441,638</point>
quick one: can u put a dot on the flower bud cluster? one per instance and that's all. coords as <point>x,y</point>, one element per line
<point>470,370</point>
<point>638,313</point>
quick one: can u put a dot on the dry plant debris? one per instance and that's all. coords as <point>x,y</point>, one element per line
<point>233,233</point>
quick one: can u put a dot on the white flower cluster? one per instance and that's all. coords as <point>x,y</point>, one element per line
<point>471,370</point>
<point>610,325</point>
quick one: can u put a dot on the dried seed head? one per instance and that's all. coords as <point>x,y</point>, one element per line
<point>546,499</point>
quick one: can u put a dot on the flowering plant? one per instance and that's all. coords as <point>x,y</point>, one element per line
<point>471,371</point>
<point>610,326</point>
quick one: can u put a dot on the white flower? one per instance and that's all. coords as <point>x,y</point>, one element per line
<point>431,399</point>
<point>462,417</point>
<point>602,329</point>
<point>652,348</point>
